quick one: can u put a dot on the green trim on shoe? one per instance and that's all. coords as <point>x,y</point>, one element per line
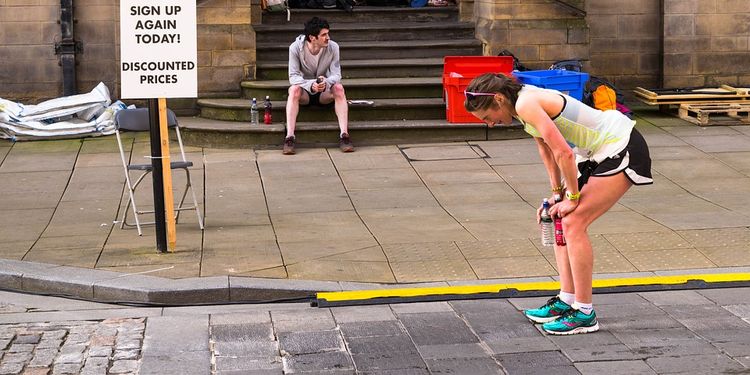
<point>553,309</point>
<point>571,323</point>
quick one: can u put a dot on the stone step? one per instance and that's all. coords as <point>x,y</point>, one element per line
<point>202,132</point>
<point>366,50</point>
<point>343,32</point>
<point>380,109</point>
<point>386,68</point>
<point>356,88</point>
<point>365,14</point>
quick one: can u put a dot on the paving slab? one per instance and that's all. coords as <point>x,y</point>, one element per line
<point>38,162</point>
<point>360,161</point>
<point>319,225</point>
<point>501,248</point>
<point>414,252</point>
<point>68,145</point>
<point>437,328</point>
<point>30,190</point>
<point>404,225</point>
<point>240,258</point>
<point>614,367</point>
<point>399,197</point>
<point>471,176</point>
<point>739,161</point>
<point>534,362</point>
<point>460,193</point>
<point>449,151</point>
<point>697,364</point>
<point>677,153</point>
<point>332,270</point>
<point>15,250</point>
<point>651,260</point>
<point>511,267</point>
<point>380,178</point>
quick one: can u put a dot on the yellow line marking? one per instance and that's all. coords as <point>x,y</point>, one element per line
<point>358,295</point>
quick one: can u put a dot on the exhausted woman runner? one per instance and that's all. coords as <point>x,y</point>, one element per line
<point>613,156</point>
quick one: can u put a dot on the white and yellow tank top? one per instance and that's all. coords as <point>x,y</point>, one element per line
<point>591,133</point>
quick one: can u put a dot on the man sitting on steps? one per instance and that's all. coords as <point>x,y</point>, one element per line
<point>314,75</point>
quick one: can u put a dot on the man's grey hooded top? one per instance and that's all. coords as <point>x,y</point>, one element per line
<point>305,76</point>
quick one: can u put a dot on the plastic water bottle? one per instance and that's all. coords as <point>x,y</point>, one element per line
<point>254,113</point>
<point>267,108</point>
<point>548,229</point>
<point>559,236</point>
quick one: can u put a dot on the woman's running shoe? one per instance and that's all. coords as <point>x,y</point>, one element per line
<point>553,309</point>
<point>571,323</point>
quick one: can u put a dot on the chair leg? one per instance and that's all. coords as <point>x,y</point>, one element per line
<point>182,200</point>
<point>131,201</point>
<point>195,201</point>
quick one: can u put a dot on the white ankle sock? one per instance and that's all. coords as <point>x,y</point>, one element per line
<point>585,308</point>
<point>566,297</point>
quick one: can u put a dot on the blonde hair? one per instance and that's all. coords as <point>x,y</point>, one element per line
<point>491,83</point>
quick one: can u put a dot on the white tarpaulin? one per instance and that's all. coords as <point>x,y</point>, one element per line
<point>75,116</point>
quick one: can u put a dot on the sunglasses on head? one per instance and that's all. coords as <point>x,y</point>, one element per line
<point>471,95</point>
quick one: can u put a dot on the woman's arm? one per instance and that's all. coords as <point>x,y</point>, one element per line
<point>548,158</point>
<point>531,110</point>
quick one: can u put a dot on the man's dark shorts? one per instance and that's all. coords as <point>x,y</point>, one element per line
<point>315,101</point>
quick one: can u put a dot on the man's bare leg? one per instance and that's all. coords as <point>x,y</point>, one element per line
<point>337,95</point>
<point>297,96</point>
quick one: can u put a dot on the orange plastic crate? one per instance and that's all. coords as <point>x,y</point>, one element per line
<point>458,71</point>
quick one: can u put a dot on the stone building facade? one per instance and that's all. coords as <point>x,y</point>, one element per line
<point>650,43</point>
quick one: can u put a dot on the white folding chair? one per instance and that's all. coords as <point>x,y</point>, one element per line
<point>138,120</point>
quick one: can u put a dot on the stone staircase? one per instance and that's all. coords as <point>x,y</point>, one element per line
<point>390,56</point>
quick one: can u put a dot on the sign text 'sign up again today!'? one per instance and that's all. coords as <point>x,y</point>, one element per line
<point>158,49</point>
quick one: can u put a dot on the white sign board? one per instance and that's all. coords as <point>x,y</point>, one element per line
<point>158,49</point>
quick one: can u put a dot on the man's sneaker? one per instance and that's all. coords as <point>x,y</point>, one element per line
<point>288,146</point>
<point>553,309</point>
<point>345,143</point>
<point>571,323</point>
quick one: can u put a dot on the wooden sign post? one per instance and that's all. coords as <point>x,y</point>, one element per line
<point>166,166</point>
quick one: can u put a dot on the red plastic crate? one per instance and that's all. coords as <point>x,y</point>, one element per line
<point>468,67</point>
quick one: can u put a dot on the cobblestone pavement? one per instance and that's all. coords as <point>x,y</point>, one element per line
<point>687,332</point>
<point>111,346</point>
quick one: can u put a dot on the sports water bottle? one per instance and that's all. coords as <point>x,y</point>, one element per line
<point>559,237</point>
<point>548,229</point>
<point>254,113</point>
<point>267,111</point>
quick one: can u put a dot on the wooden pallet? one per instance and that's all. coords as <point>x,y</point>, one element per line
<point>705,114</point>
<point>724,93</point>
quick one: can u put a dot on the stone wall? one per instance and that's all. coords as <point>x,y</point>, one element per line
<point>706,43</point>
<point>226,46</point>
<point>625,41</point>
<point>538,32</point>
<point>29,30</point>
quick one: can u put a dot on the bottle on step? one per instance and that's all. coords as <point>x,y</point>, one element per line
<point>254,112</point>
<point>267,108</point>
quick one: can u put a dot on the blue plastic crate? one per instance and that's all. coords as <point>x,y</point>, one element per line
<point>565,81</point>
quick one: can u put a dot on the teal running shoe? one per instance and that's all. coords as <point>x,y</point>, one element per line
<point>571,323</point>
<point>553,309</point>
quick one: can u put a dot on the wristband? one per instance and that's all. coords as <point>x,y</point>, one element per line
<point>571,196</point>
<point>558,189</point>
